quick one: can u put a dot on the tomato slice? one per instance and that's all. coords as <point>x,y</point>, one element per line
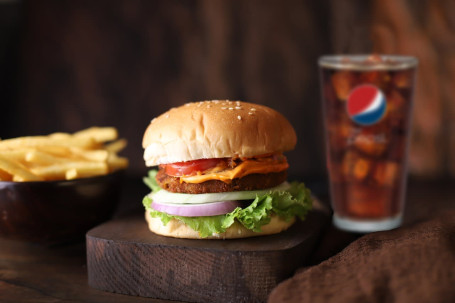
<point>178,169</point>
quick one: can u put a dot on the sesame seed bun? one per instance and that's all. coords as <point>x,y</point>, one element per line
<point>216,129</point>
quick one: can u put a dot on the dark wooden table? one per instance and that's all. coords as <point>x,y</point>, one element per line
<point>33,273</point>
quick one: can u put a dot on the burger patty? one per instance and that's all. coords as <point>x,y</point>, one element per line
<point>248,182</point>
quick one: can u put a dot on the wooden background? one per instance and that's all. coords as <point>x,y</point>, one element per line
<point>68,65</point>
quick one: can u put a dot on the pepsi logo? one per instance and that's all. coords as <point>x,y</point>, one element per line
<point>366,104</point>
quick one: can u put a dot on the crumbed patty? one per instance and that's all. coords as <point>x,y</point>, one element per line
<point>248,182</point>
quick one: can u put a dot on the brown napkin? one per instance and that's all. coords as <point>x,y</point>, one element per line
<point>410,264</point>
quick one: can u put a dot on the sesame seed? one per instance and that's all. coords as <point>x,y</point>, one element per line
<point>238,107</point>
<point>231,108</point>
<point>253,109</point>
<point>224,107</point>
<point>238,117</point>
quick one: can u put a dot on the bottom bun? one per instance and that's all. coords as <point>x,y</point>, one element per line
<point>177,229</point>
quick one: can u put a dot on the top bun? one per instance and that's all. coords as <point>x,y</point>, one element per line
<point>216,129</point>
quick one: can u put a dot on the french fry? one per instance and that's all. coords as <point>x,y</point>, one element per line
<point>99,134</point>
<point>116,163</point>
<point>41,158</point>
<point>58,171</point>
<point>116,146</point>
<point>4,176</point>
<point>17,170</point>
<point>60,156</point>
<point>40,141</point>
<point>71,174</point>
<point>92,155</point>
<point>59,136</point>
<point>59,151</point>
<point>94,169</point>
<point>17,155</point>
<point>17,178</point>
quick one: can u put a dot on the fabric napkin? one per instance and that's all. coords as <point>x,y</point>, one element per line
<point>409,264</point>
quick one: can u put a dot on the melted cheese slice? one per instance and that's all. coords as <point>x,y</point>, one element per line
<point>247,167</point>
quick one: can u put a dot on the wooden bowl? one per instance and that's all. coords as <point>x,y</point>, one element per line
<point>51,212</point>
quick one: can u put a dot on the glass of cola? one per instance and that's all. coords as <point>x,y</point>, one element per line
<point>367,104</point>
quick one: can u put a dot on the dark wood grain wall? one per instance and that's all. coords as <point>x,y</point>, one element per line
<point>425,29</point>
<point>122,62</point>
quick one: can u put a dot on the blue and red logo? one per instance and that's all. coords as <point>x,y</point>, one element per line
<point>366,104</point>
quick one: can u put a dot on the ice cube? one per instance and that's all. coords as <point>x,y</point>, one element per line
<point>396,109</point>
<point>395,100</point>
<point>361,169</point>
<point>379,78</point>
<point>342,82</point>
<point>386,173</point>
<point>355,167</point>
<point>370,144</point>
<point>402,79</point>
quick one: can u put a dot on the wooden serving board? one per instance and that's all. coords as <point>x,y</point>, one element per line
<point>123,256</point>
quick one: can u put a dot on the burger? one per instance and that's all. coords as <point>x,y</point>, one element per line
<point>220,172</point>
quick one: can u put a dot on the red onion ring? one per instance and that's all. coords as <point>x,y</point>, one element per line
<point>196,210</point>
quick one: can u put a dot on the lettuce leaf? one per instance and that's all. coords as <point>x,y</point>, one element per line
<point>150,180</point>
<point>295,201</point>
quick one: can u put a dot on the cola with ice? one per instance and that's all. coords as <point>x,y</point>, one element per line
<point>367,103</point>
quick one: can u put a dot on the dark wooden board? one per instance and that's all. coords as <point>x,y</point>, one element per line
<point>123,256</point>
